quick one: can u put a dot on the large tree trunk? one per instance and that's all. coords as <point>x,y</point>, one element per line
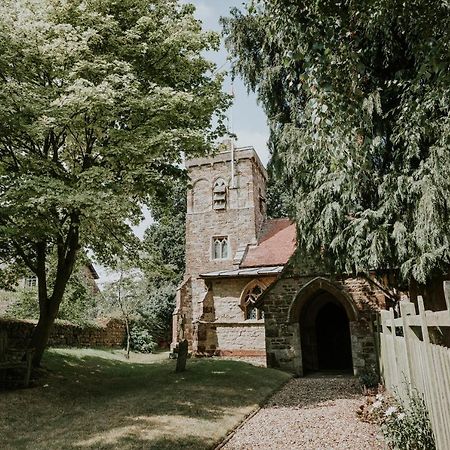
<point>49,306</point>
<point>40,337</point>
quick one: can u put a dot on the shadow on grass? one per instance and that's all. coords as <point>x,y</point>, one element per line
<point>92,402</point>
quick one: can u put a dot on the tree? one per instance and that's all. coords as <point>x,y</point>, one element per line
<point>78,305</point>
<point>98,101</point>
<point>125,294</point>
<point>163,259</point>
<point>357,95</point>
<point>163,256</point>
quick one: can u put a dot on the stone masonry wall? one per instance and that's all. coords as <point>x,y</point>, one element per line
<point>283,335</point>
<point>223,329</point>
<point>247,339</point>
<point>110,333</point>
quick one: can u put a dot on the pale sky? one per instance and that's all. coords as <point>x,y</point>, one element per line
<point>249,121</point>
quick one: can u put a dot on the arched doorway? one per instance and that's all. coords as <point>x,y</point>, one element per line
<point>333,338</point>
<point>325,334</point>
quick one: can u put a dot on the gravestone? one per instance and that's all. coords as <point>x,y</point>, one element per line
<point>182,356</point>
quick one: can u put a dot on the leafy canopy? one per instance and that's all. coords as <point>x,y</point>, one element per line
<point>99,99</point>
<point>357,95</point>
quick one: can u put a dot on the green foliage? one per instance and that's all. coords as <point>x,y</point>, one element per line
<point>369,377</point>
<point>123,296</point>
<point>147,307</point>
<point>78,306</point>
<point>357,95</point>
<point>278,191</point>
<point>141,339</point>
<point>408,426</point>
<point>24,306</point>
<point>99,101</point>
<point>156,313</point>
<point>163,257</point>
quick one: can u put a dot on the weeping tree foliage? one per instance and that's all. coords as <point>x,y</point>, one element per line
<point>358,97</point>
<point>98,101</point>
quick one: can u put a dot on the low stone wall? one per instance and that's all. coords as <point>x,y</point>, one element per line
<point>108,333</point>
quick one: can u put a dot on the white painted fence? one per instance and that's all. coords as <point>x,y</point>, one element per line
<point>410,362</point>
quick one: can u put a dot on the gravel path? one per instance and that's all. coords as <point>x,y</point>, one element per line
<point>310,414</point>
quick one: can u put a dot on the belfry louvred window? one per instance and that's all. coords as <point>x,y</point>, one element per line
<point>249,300</point>
<point>219,194</point>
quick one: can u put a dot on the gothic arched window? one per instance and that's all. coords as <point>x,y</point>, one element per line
<point>220,249</point>
<point>220,194</point>
<point>251,312</point>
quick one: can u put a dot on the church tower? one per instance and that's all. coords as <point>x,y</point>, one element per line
<point>226,209</point>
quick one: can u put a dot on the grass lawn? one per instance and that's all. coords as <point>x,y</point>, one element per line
<point>97,399</point>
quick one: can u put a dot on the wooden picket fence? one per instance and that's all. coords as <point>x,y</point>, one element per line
<point>409,361</point>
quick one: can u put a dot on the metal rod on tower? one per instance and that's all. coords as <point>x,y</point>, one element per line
<point>231,135</point>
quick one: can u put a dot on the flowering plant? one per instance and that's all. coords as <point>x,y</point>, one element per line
<point>405,425</point>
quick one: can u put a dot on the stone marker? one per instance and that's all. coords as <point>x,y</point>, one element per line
<point>182,356</point>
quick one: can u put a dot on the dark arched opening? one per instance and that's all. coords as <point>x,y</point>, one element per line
<point>325,334</point>
<point>333,338</point>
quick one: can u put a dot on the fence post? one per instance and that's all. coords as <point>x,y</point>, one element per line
<point>386,368</point>
<point>408,309</point>
<point>396,376</point>
<point>431,385</point>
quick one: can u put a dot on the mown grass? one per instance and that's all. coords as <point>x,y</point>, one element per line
<point>95,399</point>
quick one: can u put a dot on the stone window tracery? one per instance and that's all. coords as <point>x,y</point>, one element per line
<point>220,194</point>
<point>251,312</point>
<point>220,247</point>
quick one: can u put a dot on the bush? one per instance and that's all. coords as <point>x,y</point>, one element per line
<point>369,377</point>
<point>25,305</point>
<point>405,426</point>
<point>141,340</point>
<point>156,312</point>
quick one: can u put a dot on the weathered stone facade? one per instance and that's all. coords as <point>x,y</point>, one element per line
<point>302,307</point>
<point>205,314</point>
<point>286,306</point>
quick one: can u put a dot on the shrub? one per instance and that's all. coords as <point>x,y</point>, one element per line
<point>25,305</point>
<point>156,312</point>
<point>141,340</point>
<point>405,426</point>
<point>369,377</point>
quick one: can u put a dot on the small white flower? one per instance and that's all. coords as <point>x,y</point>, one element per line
<point>376,404</point>
<point>391,410</point>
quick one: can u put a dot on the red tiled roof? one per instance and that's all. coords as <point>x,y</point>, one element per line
<point>276,244</point>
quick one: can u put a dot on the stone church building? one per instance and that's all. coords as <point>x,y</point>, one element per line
<point>246,294</point>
